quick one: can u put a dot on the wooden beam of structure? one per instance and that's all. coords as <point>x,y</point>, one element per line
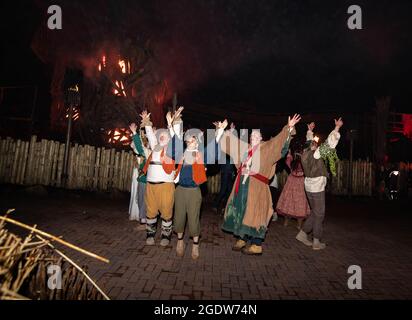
<point>54,238</point>
<point>76,266</point>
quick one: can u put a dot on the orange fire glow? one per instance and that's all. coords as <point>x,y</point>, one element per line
<point>122,65</point>
<point>76,113</point>
<point>120,85</point>
<point>119,89</point>
<point>119,136</point>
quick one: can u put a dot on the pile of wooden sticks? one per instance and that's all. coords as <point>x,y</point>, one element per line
<point>24,265</point>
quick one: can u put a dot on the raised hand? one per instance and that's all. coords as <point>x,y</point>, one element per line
<point>144,115</point>
<point>133,127</point>
<point>295,119</point>
<point>224,124</point>
<point>169,118</point>
<point>220,124</point>
<point>178,113</point>
<point>338,123</point>
<point>311,126</point>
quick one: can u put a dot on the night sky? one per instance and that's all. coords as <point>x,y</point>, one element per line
<point>273,56</point>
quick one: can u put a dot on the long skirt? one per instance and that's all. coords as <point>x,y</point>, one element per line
<point>292,201</point>
<point>235,212</point>
<point>141,192</point>
<point>134,201</point>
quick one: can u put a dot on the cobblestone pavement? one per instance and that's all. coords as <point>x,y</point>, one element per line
<point>374,235</point>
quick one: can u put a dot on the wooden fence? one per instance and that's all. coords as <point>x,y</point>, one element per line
<point>363,178</point>
<point>41,162</point>
<point>213,184</point>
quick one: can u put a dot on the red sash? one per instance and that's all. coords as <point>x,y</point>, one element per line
<point>255,175</point>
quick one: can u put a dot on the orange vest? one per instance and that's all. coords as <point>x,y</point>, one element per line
<point>198,170</point>
<point>168,164</point>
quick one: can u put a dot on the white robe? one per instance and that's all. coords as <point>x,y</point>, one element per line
<point>133,206</point>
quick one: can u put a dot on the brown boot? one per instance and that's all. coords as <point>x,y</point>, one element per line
<point>253,250</point>
<point>239,245</point>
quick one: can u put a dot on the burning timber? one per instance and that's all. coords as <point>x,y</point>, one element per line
<point>24,265</point>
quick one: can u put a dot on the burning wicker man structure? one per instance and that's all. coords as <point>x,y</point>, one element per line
<point>112,95</point>
<point>116,70</point>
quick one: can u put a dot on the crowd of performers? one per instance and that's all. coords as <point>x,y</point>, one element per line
<point>168,174</point>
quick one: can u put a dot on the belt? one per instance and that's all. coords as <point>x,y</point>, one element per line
<point>155,162</point>
<point>188,187</point>
<point>257,176</point>
<point>156,182</point>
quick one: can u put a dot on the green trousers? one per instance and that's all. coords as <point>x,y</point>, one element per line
<point>187,205</point>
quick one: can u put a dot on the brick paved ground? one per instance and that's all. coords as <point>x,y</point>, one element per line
<point>374,235</point>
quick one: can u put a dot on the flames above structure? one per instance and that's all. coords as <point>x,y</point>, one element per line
<point>119,79</point>
<point>118,84</point>
<point>124,86</point>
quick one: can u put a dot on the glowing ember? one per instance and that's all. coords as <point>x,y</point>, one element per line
<point>159,99</point>
<point>120,85</point>
<point>76,113</point>
<point>119,136</point>
<point>115,91</point>
<point>122,65</point>
<point>102,64</point>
